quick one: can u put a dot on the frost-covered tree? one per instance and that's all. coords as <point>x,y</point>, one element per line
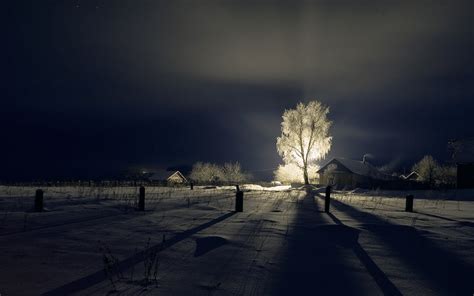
<point>427,168</point>
<point>204,172</point>
<point>446,175</point>
<point>304,135</point>
<point>431,172</point>
<point>232,173</point>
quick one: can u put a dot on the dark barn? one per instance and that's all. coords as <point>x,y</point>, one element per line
<point>464,158</point>
<point>348,173</point>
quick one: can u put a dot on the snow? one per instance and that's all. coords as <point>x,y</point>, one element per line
<point>283,243</point>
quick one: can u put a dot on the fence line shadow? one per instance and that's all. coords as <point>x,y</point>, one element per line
<point>444,270</point>
<point>99,276</point>
<point>436,216</point>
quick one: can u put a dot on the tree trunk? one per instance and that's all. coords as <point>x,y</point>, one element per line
<point>305,174</point>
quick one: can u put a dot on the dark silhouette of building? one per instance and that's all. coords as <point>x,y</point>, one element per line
<point>463,154</point>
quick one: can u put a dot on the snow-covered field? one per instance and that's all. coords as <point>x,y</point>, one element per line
<point>92,241</point>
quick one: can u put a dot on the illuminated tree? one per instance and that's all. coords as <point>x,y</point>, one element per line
<point>431,172</point>
<point>232,173</point>
<point>204,172</point>
<point>427,168</point>
<point>304,135</point>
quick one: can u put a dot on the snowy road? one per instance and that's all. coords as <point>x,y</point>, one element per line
<point>282,244</point>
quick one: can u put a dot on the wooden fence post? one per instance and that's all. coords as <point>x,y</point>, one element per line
<point>239,201</point>
<point>141,199</point>
<point>327,199</point>
<point>39,200</point>
<point>409,203</point>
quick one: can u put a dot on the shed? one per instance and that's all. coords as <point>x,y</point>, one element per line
<point>174,177</point>
<point>348,173</point>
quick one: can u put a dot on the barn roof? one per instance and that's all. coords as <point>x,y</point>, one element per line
<point>411,175</point>
<point>180,175</point>
<point>463,150</point>
<point>163,175</point>
<point>362,168</point>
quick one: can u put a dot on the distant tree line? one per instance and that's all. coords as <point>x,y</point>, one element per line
<point>80,183</point>
<point>210,173</point>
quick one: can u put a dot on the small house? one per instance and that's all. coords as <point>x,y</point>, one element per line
<point>348,173</point>
<point>413,176</point>
<point>169,177</point>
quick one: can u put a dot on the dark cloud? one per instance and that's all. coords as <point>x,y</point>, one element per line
<point>96,86</point>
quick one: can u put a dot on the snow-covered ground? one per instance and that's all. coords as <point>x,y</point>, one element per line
<point>92,241</point>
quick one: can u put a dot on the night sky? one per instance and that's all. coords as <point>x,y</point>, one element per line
<point>93,87</point>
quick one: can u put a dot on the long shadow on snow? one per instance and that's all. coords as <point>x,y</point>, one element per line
<point>384,283</point>
<point>314,263</point>
<point>99,276</point>
<point>459,222</point>
<point>448,273</point>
